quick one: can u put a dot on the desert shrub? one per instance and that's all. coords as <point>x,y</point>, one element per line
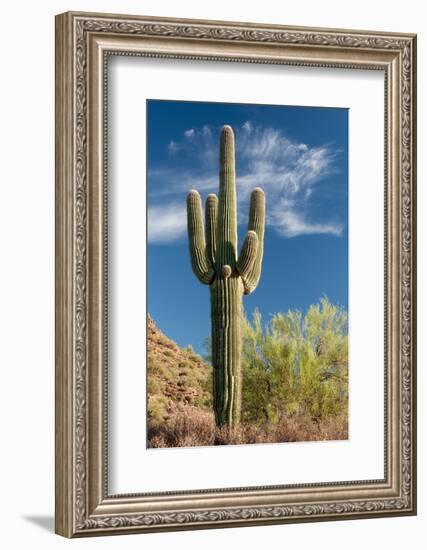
<point>164,371</point>
<point>206,383</point>
<point>185,364</point>
<point>153,364</point>
<point>203,401</point>
<point>157,408</point>
<point>153,385</point>
<point>296,365</point>
<point>192,355</point>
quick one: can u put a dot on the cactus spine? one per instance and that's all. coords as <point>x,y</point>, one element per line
<point>215,262</point>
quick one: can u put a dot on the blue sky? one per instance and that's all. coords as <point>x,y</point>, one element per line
<point>298,155</point>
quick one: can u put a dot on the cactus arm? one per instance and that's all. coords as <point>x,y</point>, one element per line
<point>257,224</point>
<point>226,233</point>
<point>248,254</point>
<point>211,212</point>
<point>200,263</point>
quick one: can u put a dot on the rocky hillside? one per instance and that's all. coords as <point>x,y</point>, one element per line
<point>178,379</point>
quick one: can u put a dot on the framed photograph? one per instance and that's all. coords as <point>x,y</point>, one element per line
<point>235,274</point>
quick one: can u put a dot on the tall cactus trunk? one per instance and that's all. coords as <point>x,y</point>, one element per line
<point>226,314</point>
<point>230,276</point>
<point>226,295</point>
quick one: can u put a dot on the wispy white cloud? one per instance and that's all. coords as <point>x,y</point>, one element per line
<point>290,223</point>
<point>199,141</point>
<point>290,172</point>
<point>166,223</point>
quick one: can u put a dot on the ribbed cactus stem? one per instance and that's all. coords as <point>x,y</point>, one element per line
<point>226,313</point>
<point>248,254</point>
<point>257,224</point>
<point>226,231</point>
<point>199,260</point>
<point>215,262</point>
<point>211,213</point>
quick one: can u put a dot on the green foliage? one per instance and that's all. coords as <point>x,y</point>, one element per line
<point>296,365</point>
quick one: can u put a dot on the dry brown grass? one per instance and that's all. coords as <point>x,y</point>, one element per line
<point>196,428</point>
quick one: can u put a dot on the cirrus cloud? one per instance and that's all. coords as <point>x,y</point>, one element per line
<point>290,172</point>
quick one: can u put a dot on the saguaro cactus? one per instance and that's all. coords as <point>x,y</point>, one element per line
<point>216,263</point>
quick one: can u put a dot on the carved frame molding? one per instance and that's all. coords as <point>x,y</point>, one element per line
<point>83,43</point>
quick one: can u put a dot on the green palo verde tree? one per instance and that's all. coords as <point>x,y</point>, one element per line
<point>216,263</point>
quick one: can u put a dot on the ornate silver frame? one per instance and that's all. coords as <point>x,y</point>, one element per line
<point>83,42</point>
